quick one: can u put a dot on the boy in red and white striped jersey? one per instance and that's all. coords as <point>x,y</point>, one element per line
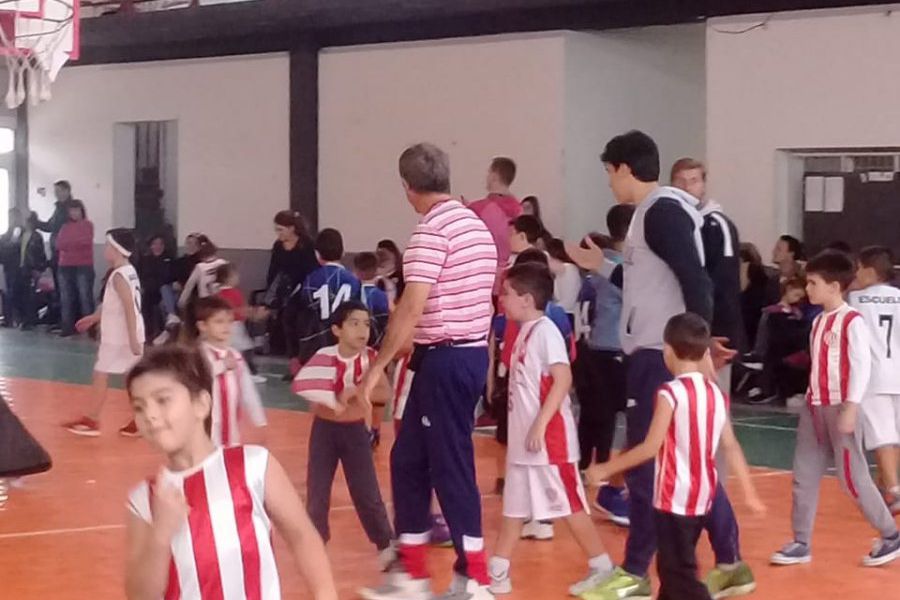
<point>690,421</point>
<point>542,481</point>
<point>202,527</point>
<point>234,394</point>
<point>831,430</point>
<point>340,430</point>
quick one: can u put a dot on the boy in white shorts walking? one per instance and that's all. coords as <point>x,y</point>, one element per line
<point>542,480</point>
<point>121,328</point>
<point>879,304</point>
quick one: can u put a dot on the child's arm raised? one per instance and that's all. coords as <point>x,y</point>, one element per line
<point>149,553</point>
<point>738,464</point>
<point>291,520</point>
<point>649,448</point>
<point>123,291</point>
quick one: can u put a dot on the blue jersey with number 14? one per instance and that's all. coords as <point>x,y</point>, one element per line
<point>323,291</point>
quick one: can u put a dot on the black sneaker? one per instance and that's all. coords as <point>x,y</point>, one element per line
<point>883,551</point>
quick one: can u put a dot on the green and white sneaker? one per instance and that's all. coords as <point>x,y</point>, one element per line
<point>621,585</point>
<point>728,583</point>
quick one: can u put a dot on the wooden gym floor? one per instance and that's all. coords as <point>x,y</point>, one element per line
<point>62,533</point>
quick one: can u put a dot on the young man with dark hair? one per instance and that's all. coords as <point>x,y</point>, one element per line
<point>498,208</point>
<point>663,276</point>
<point>830,430</point>
<point>721,249</point>
<point>879,304</point>
<point>446,308</point>
<point>524,232</point>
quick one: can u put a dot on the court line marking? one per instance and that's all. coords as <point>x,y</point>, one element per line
<point>117,526</point>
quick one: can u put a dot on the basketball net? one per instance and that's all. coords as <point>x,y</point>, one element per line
<point>37,37</point>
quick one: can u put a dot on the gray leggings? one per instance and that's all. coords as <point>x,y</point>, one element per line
<point>348,443</point>
<point>819,443</point>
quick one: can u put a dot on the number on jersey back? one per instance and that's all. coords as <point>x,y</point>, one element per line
<point>323,291</point>
<point>880,308</point>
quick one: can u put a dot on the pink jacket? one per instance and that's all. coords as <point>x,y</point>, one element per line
<point>75,244</point>
<point>497,211</point>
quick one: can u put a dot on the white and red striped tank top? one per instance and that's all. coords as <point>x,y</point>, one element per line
<point>686,475</point>
<point>223,550</point>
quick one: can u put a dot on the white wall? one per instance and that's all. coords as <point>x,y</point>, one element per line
<point>806,80</point>
<point>475,98</point>
<point>651,79</point>
<point>232,116</point>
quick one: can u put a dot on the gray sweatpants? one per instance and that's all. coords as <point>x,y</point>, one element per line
<point>348,443</point>
<point>819,444</point>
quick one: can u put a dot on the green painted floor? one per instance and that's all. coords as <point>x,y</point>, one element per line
<point>766,434</point>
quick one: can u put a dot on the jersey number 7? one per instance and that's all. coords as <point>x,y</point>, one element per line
<point>889,319</point>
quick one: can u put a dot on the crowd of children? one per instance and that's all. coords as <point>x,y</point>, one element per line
<point>555,330</point>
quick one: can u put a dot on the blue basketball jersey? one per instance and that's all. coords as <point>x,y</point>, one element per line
<point>379,308</point>
<point>323,291</point>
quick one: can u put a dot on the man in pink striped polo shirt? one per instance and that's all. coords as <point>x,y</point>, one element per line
<point>449,269</point>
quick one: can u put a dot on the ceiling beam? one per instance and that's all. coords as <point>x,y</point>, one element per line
<point>275,25</point>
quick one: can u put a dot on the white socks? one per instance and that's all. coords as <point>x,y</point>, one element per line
<point>601,564</point>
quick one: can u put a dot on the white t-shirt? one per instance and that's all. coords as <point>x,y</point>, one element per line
<point>538,346</point>
<point>880,307</point>
<point>113,325</point>
<point>567,287</point>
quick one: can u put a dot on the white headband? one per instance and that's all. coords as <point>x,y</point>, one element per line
<point>117,246</point>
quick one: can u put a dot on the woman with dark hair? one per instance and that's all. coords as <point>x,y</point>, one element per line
<point>75,245</point>
<point>531,206</point>
<point>390,269</point>
<point>293,258</point>
<point>566,277</point>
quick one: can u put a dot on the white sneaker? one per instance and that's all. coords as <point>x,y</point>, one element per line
<point>387,557</point>
<point>172,320</point>
<point>535,530</point>
<point>462,588</point>
<point>399,585</point>
<point>500,583</point>
<point>594,579</point>
<point>161,339</point>
<point>258,378</point>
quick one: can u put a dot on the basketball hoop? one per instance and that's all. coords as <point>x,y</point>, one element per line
<point>37,37</point>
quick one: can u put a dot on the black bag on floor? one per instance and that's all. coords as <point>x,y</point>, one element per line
<point>20,453</point>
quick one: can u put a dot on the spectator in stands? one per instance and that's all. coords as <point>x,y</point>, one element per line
<point>755,291</point>
<point>32,262</point>
<point>9,258</point>
<point>183,266</point>
<point>498,208</point>
<point>566,278</point>
<point>75,261</point>
<point>390,269</point>
<point>293,259</point>
<point>532,206</point>
<point>157,297</point>
<point>782,343</point>
<point>789,256</point>
<point>62,190</point>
